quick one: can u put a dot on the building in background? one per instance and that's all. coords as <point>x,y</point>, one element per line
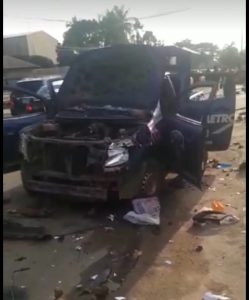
<point>28,44</point>
<point>15,69</point>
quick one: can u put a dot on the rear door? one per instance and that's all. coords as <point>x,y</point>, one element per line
<point>215,108</point>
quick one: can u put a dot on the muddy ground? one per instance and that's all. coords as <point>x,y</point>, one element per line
<point>136,262</point>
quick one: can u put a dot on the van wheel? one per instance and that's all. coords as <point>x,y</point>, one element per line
<point>24,177</point>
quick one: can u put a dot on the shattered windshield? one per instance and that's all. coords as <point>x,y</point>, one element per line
<point>120,77</point>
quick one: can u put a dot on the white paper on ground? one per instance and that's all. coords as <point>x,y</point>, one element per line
<point>146,211</point>
<point>211,296</point>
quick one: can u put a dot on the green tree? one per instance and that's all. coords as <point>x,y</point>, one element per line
<point>82,33</point>
<point>149,38</point>
<point>229,57</point>
<point>208,53</point>
<point>114,27</point>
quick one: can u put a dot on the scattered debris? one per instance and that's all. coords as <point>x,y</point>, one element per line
<point>213,163</point>
<point>79,286</point>
<point>78,248</point>
<point>211,296</point>
<point>199,248</point>
<point>111,217</point>
<point>17,231</point>
<point>168,262</point>
<point>79,238</point>
<point>21,258</point>
<point>217,206</point>
<point>21,270</point>
<point>94,277</point>
<point>212,189</point>
<point>224,165</point>
<point>217,217</point>
<point>146,211</point>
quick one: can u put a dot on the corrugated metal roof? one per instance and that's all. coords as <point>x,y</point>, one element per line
<point>10,62</point>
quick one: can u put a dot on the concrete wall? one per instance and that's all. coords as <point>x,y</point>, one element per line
<point>36,43</point>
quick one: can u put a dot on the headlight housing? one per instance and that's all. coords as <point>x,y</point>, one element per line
<point>117,156</point>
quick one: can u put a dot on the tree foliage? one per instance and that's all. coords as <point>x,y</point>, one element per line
<point>230,57</point>
<point>114,27</point>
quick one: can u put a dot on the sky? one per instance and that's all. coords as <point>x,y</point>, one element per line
<point>218,21</point>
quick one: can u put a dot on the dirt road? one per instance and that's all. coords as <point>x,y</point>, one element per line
<point>167,266</point>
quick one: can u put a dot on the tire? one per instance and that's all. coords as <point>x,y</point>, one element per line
<point>24,178</point>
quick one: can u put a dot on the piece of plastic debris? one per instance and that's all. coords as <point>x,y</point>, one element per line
<point>52,266</point>
<point>115,274</point>
<point>238,193</point>
<point>111,217</point>
<point>94,277</point>
<point>221,179</point>
<point>229,219</point>
<point>168,262</point>
<point>171,241</point>
<point>146,211</point>
<point>199,248</point>
<point>79,286</point>
<point>60,282</point>
<point>56,237</point>
<point>23,286</point>
<point>120,298</point>
<point>212,189</point>
<point>224,165</point>
<point>217,206</point>
<point>217,217</point>
<point>78,248</point>
<point>211,296</point>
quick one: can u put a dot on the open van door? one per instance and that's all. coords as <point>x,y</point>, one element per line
<point>215,108</point>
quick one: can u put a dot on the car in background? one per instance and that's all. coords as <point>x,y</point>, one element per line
<point>22,104</point>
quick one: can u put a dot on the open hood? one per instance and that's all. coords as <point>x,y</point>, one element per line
<point>127,76</point>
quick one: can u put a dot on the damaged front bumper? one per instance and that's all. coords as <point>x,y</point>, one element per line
<point>58,170</point>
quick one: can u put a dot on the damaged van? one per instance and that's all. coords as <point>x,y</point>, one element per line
<point>125,116</point>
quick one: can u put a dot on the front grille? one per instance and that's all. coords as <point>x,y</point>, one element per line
<point>73,160</point>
